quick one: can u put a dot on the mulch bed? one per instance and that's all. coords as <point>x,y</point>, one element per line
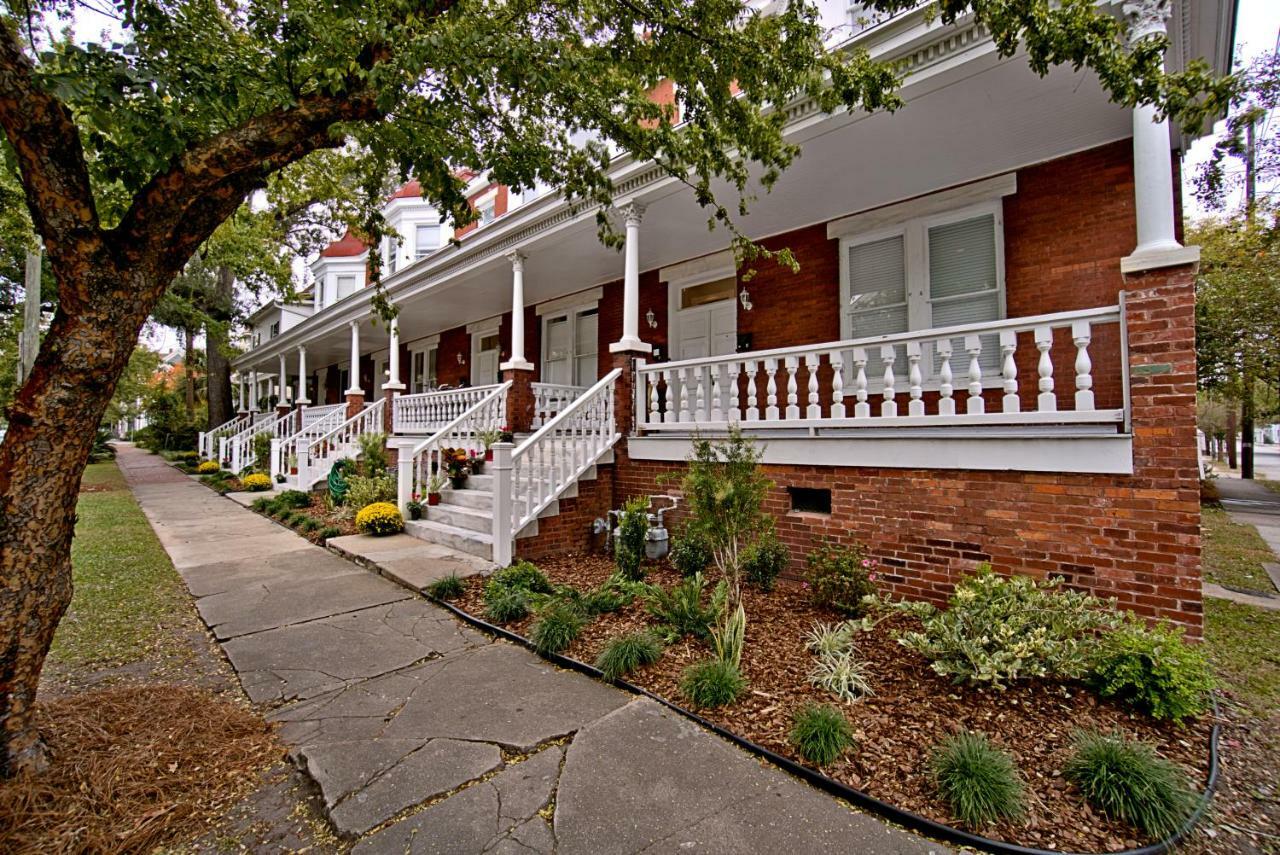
<point>912,709</point>
<point>134,767</point>
<point>336,517</point>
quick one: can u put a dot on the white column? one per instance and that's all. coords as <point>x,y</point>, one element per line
<point>517,360</point>
<point>244,396</point>
<point>1152,162</point>
<point>630,341</point>
<point>282,384</point>
<point>302,375</point>
<point>393,368</point>
<point>253,390</point>
<point>355,360</point>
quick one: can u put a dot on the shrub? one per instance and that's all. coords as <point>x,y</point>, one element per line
<point>310,524</point>
<point>827,639</point>
<point>624,654</point>
<point>262,452</point>
<point>294,499</point>
<point>843,674</point>
<point>689,552</point>
<point>614,593</point>
<point>712,683</point>
<point>680,610</point>
<point>1128,781</point>
<point>730,637</point>
<point>256,483</point>
<point>839,577</point>
<point>287,517</point>
<point>1153,669</point>
<point>262,505</point>
<point>821,733</point>
<point>522,574</point>
<point>279,511</point>
<point>503,605</point>
<point>997,629</point>
<point>208,467</point>
<point>373,453</point>
<point>765,560</point>
<point>362,491</point>
<point>977,780</point>
<point>448,588</point>
<point>379,519</point>
<point>633,528</point>
<point>558,624</point>
<point>330,531</point>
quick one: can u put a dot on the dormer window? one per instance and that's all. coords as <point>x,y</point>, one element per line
<point>275,330</point>
<point>488,211</point>
<point>426,239</point>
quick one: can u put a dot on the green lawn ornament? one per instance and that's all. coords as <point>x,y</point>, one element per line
<point>338,481</point>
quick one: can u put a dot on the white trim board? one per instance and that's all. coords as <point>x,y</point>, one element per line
<point>718,265</point>
<point>940,202</point>
<point>578,300</point>
<point>1108,454</point>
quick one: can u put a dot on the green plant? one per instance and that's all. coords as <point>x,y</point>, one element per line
<point>728,639</point>
<point>330,531</point>
<point>628,547</point>
<point>294,499</point>
<point>840,577</point>
<point>821,733</point>
<point>999,629</point>
<point>448,588</point>
<point>287,517</point>
<point>311,524</point>
<point>208,467</point>
<point>1128,781</point>
<point>624,654</point>
<point>262,451</point>
<point>843,674</point>
<point>977,780</point>
<point>612,594</point>
<point>828,639</point>
<point>522,574</point>
<point>689,552</point>
<point>680,609</point>
<point>503,604</point>
<point>712,683</point>
<point>558,624</point>
<point>262,505</point>
<point>373,454</point>
<point>765,560</point>
<point>256,483</point>
<point>489,437</point>
<point>380,519</point>
<point>367,490</point>
<point>1154,669</point>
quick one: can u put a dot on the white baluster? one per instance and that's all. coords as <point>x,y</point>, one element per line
<point>1047,401</point>
<point>684,394</point>
<point>655,414</point>
<point>666,397</point>
<point>771,391</point>
<point>1081,334</point>
<point>793,398</point>
<point>700,399</point>
<point>975,404</point>
<point>836,358</point>
<point>814,410</point>
<point>946,403</point>
<point>735,411</point>
<point>889,355</point>
<point>1009,368</point>
<point>753,403</point>
<point>914,379</point>
<point>862,409</point>
<point>717,413</point>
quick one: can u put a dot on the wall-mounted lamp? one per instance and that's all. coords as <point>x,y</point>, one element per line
<point>651,319</point>
<point>744,297</point>
<point>462,360</point>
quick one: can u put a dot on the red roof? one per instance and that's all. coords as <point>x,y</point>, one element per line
<point>409,190</point>
<point>349,245</point>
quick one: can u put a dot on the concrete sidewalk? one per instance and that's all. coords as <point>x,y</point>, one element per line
<point>426,736</point>
<point>1251,503</point>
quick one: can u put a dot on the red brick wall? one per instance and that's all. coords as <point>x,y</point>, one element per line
<point>570,530</point>
<point>453,342</point>
<point>532,338</point>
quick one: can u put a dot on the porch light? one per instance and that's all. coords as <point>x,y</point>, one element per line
<point>744,297</point>
<point>462,360</point>
<point>651,319</point>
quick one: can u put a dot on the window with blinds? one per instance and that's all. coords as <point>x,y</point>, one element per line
<point>426,239</point>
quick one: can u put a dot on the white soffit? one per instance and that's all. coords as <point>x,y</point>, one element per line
<point>925,206</point>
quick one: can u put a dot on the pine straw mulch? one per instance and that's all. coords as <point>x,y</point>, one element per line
<point>133,767</point>
<point>912,710</point>
<point>338,517</point>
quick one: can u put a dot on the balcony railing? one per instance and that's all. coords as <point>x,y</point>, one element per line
<point>550,399</point>
<point>960,375</point>
<point>428,412</point>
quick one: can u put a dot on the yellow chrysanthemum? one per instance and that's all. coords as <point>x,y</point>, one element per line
<point>379,519</point>
<point>256,483</point>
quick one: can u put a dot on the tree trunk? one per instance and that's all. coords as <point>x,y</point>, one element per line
<point>1246,427</point>
<point>188,373</point>
<point>52,423</point>
<point>217,356</point>
<point>1231,436</point>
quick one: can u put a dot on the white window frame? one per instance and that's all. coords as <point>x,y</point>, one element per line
<point>423,252</point>
<point>689,274</point>
<point>478,331</point>
<point>571,314</point>
<point>424,347</point>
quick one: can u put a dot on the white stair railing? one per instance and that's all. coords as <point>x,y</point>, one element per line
<point>317,456</point>
<point>414,467</point>
<point>284,452</point>
<point>549,399</point>
<point>207,441</point>
<point>534,474</point>
<point>428,412</point>
<point>237,453</point>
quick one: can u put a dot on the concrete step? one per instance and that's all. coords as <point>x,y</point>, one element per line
<point>461,539</point>
<point>461,517</point>
<point>480,500</point>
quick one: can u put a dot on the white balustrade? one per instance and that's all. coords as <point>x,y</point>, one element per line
<point>316,422</point>
<point>317,453</point>
<point>238,450</point>
<point>690,395</point>
<point>427,412</point>
<point>207,443</point>
<point>416,465</point>
<point>549,399</point>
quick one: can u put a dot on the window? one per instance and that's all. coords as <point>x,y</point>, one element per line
<point>570,347</point>
<point>426,238</point>
<point>422,372</point>
<point>274,331</point>
<point>488,211</point>
<point>708,292</point>
<point>346,286</point>
<point>809,500</point>
<point>939,271</point>
<point>257,339</point>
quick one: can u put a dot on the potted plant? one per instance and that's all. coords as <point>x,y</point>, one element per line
<point>506,434</point>
<point>280,478</point>
<point>489,437</point>
<point>455,466</point>
<point>475,462</point>
<point>415,508</point>
<point>434,486</point>
<point>293,464</point>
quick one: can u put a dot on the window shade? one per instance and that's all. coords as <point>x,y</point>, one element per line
<point>963,288</point>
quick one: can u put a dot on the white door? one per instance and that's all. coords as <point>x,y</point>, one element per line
<point>570,348</point>
<point>586,346</point>
<point>708,330</point>
<point>557,362</point>
<point>484,358</point>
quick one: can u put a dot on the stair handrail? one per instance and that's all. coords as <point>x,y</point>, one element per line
<point>206,440</point>
<point>548,462</point>
<point>367,420</point>
<point>280,426</point>
<point>489,413</point>
<point>283,449</point>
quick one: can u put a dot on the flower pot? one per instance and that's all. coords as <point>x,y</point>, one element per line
<point>415,513</point>
<point>293,470</point>
<point>477,466</point>
<point>488,454</point>
<point>458,482</point>
<point>433,499</point>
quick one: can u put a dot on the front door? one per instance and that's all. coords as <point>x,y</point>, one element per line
<point>484,358</point>
<point>570,349</point>
<point>707,330</point>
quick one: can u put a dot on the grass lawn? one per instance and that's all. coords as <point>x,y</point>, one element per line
<point>1244,644</point>
<point>1234,552</point>
<point>126,590</point>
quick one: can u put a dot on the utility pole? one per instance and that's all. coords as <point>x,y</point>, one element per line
<point>1246,373</point>
<point>29,344</point>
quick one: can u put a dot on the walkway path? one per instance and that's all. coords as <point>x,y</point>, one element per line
<point>427,736</point>
<point>1251,503</point>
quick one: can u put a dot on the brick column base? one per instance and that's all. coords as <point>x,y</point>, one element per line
<point>389,408</point>
<point>355,403</point>
<point>519,399</point>
<point>282,409</point>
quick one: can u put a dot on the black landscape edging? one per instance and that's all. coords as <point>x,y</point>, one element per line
<point>810,776</point>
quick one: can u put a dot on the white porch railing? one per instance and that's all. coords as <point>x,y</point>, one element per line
<point>317,456</point>
<point>237,450</point>
<point>832,385</point>
<point>534,474</point>
<point>549,399</point>
<point>414,465</point>
<point>284,452</point>
<point>207,441</point>
<point>428,412</point>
